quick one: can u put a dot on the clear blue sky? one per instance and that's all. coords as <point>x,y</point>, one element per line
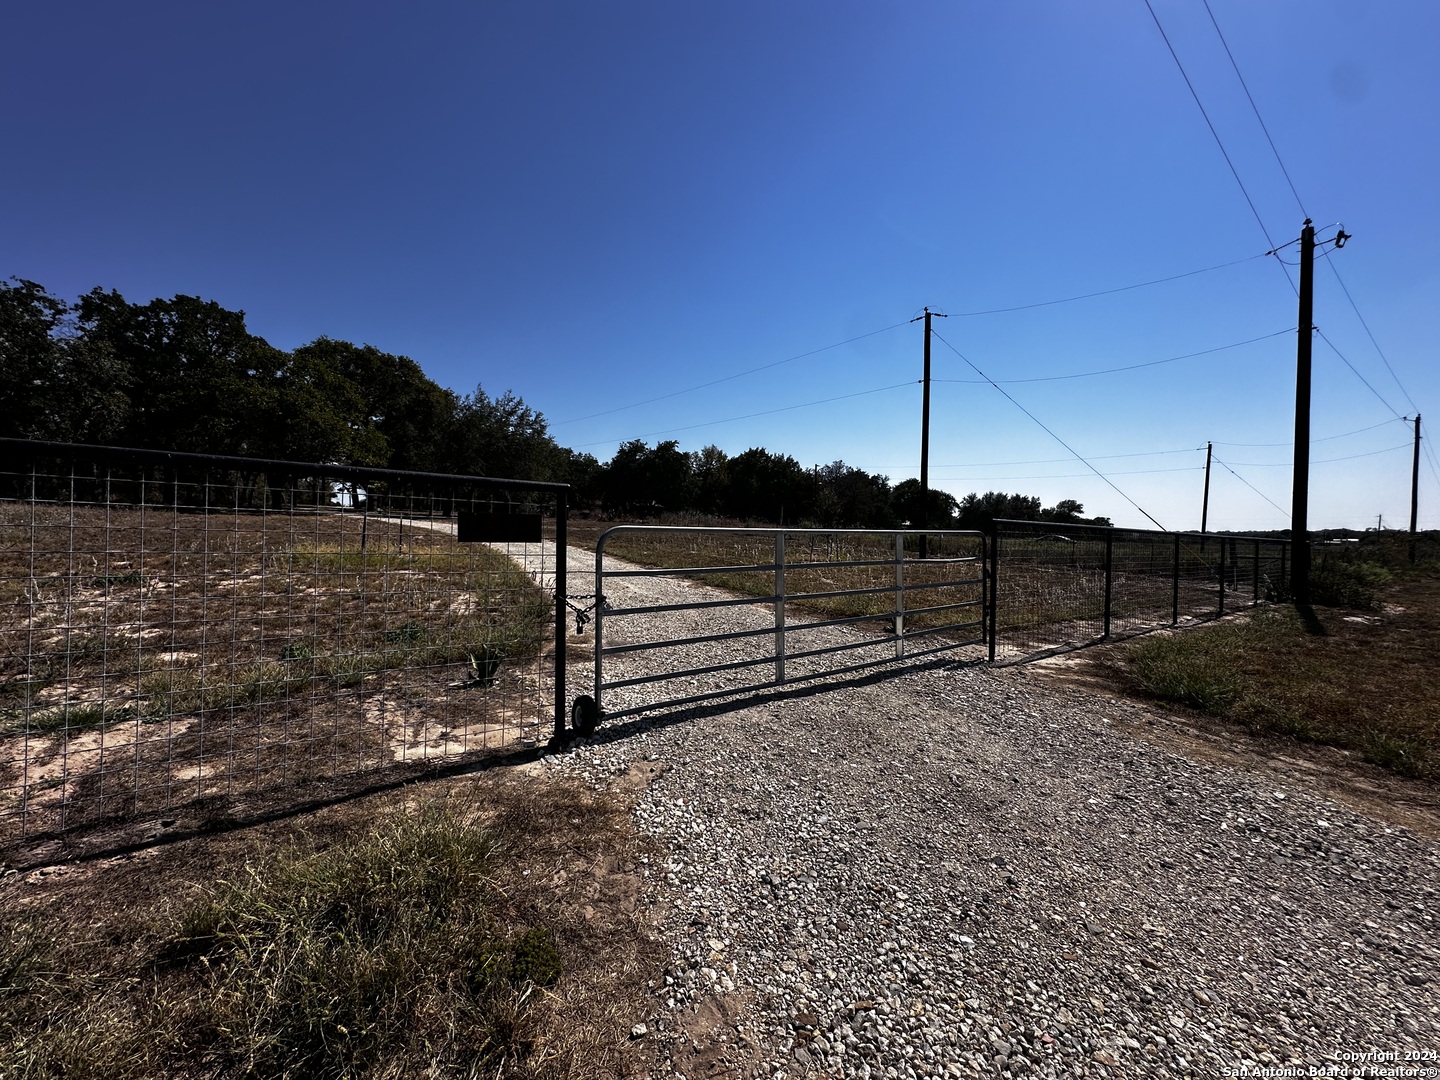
<point>594,204</point>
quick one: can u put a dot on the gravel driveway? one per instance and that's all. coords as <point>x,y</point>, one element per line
<point>965,871</point>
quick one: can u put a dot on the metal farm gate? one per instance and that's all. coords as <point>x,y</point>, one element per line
<point>796,605</point>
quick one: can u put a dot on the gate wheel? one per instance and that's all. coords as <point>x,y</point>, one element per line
<point>584,715</point>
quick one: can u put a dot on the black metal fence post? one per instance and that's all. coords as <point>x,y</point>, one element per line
<point>1256,574</point>
<point>1221,609</point>
<point>562,514</point>
<point>1109,577</point>
<point>992,543</point>
<point>1284,558</point>
<point>1175,585</point>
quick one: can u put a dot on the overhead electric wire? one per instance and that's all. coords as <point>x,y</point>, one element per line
<point>1069,476</point>
<point>1321,461</point>
<point>1430,458</point>
<point>1356,308</point>
<point>763,412</point>
<point>1357,374</point>
<point>1042,461</point>
<point>1301,204</point>
<point>1218,141</point>
<point>728,378</point>
<point>1252,487</point>
<point>1128,367</point>
<point>1047,431</point>
<point>1105,292</point>
<point>1291,442</point>
<point>1254,107</point>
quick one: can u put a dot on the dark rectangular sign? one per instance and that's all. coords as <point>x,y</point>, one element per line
<point>477,528</point>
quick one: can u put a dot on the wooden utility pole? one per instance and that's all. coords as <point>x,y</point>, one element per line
<point>1415,489</point>
<point>924,521</point>
<point>1300,495</point>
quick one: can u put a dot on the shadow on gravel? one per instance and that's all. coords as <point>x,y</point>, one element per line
<point>658,719</point>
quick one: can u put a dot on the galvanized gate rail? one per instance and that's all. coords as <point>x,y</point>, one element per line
<point>960,578</point>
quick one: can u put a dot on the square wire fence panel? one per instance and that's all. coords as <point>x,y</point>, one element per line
<point>195,631</point>
<point>1049,587</point>
<point>1062,586</point>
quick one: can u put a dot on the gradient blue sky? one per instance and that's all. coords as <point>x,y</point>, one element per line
<point>595,204</point>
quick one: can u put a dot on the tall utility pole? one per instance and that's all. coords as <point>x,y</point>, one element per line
<point>1205,502</point>
<point>924,521</point>
<point>1300,496</point>
<point>1415,489</point>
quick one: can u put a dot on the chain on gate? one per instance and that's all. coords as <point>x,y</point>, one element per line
<point>583,614</point>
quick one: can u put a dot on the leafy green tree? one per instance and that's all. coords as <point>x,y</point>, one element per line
<point>404,419</point>
<point>54,382</point>
<point>850,497</point>
<point>710,469</point>
<point>500,437</point>
<point>639,479</point>
<point>978,511</point>
<point>668,473</point>
<point>585,475</point>
<point>198,379</point>
<point>908,500</point>
<point>770,487</point>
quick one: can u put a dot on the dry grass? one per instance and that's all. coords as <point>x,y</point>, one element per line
<point>486,927</point>
<point>1359,679</point>
<point>159,654</point>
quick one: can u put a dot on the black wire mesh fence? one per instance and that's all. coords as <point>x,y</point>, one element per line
<point>1059,586</point>
<point>228,634</point>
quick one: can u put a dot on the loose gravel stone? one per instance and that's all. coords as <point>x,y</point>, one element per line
<point>962,871</point>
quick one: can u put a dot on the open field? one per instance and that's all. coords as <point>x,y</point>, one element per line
<point>149,655</point>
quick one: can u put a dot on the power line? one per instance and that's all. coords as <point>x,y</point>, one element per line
<point>1327,438</point>
<point>1218,141</point>
<point>1253,488</point>
<point>1224,153</point>
<point>1356,308</point>
<point>1255,108</point>
<point>1052,434</point>
<point>1431,460</point>
<point>1300,203</point>
<point>1357,374</point>
<point>1322,461</point>
<point>1069,476</point>
<point>1128,367</point>
<point>1106,292</point>
<point>727,378</point>
<point>1044,461</point>
<point>765,412</point>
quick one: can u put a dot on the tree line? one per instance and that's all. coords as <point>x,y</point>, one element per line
<point>185,374</point>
